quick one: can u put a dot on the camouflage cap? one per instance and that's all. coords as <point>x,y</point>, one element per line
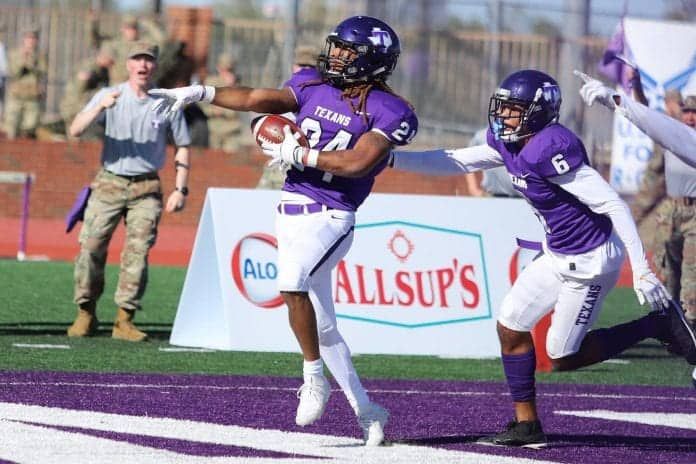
<point>225,61</point>
<point>31,29</point>
<point>673,95</point>
<point>689,103</point>
<point>143,48</point>
<point>306,55</point>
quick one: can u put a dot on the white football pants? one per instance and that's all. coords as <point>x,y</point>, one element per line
<point>574,286</point>
<point>309,247</point>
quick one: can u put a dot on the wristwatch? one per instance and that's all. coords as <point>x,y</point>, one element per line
<point>184,190</point>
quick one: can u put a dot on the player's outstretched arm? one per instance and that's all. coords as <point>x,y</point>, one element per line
<point>169,101</point>
<point>672,134</point>
<point>446,162</point>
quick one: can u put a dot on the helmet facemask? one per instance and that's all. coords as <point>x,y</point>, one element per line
<point>522,110</point>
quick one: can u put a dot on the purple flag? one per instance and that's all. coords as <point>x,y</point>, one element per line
<point>617,61</point>
<point>77,211</point>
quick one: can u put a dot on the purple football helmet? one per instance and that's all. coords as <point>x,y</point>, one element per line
<point>375,43</point>
<point>533,96</point>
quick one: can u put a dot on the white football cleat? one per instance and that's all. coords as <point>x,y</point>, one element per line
<point>313,397</point>
<point>372,421</point>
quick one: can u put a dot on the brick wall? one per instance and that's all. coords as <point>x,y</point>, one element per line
<point>61,169</point>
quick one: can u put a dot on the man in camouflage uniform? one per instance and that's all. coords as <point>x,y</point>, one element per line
<point>92,76</point>
<point>273,177</point>
<point>675,235</point>
<point>131,31</point>
<point>653,193</point>
<point>224,126</point>
<point>25,88</point>
<point>127,187</point>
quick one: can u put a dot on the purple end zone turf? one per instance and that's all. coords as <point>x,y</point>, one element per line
<point>438,414</point>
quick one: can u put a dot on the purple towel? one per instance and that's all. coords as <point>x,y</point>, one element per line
<point>77,211</point>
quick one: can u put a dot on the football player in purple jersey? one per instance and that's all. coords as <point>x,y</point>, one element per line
<point>352,119</point>
<point>589,230</point>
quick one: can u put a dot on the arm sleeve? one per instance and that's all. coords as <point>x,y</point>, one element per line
<point>591,189</point>
<point>447,162</point>
<point>674,135</point>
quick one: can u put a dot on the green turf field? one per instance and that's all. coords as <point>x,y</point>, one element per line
<point>37,308</point>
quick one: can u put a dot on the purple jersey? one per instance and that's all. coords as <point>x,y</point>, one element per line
<point>571,227</point>
<point>331,124</point>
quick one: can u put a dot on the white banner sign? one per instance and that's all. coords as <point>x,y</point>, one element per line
<point>425,275</point>
<point>665,52</point>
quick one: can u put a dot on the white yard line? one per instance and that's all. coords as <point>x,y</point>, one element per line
<point>41,346</point>
<point>23,427</point>
<point>662,419</point>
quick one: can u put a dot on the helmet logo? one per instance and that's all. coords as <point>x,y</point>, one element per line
<point>551,92</point>
<point>380,37</point>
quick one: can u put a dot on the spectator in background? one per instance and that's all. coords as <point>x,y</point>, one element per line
<point>126,188</point>
<point>495,182</point>
<point>132,30</point>
<point>92,76</point>
<point>224,126</point>
<point>25,87</point>
<point>273,177</point>
<point>653,191</point>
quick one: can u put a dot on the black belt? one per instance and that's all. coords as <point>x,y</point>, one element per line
<point>136,177</point>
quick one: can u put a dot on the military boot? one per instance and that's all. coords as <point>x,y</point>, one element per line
<point>124,329</point>
<point>86,322</point>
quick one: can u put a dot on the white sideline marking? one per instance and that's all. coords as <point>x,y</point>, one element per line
<point>20,442</point>
<point>616,361</point>
<point>617,396</point>
<point>181,350</point>
<point>41,345</point>
<point>663,419</point>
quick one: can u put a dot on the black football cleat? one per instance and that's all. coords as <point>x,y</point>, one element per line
<point>526,434</point>
<point>682,332</point>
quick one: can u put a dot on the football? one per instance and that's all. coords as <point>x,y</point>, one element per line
<point>269,128</point>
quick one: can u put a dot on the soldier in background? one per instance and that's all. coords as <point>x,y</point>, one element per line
<point>132,30</point>
<point>675,234</point>
<point>652,194</point>
<point>93,75</point>
<point>224,126</point>
<point>27,71</point>
<point>273,177</point>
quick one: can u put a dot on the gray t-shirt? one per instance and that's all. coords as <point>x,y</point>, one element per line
<point>680,177</point>
<point>135,137</point>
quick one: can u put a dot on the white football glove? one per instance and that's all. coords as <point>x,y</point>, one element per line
<point>649,288</point>
<point>289,151</point>
<point>594,91</point>
<point>173,100</point>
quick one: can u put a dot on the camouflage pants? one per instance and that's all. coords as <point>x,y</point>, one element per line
<point>140,205</point>
<point>272,178</point>
<point>675,250</point>
<point>21,115</point>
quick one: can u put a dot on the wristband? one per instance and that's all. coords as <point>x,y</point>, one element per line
<point>310,157</point>
<point>208,93</point>
<point>179,164</point>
